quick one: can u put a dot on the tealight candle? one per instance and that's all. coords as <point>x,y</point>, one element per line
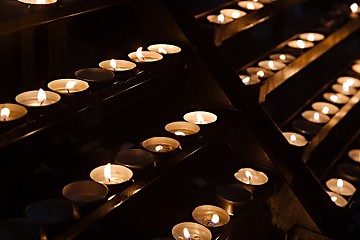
<point>300,44</point>
<point>182,128</point>
<point>191,231</point>
<point>250,176</point>
<point>11,112</point>
<point>232,197</point>
<point>210,216</point>
<point>344,88</point>
<point>141,56</point>
<point>117,65</point>
<point>271,65</point>
<point>259,72</point>
<point>315,116</point>
<point>354,155</point>
<point>219,19</point>
<point>164,48</point>
<point>350,81</point>
<point>295,139</point>
<point>356,67</point>
<point>111,174</point>
<point>38,98</point>
<point>161,144</point>
<point>232,13</point>
<point>312,37</point>
<point>85,191</point>
<point>340,186</point>
<point>282,57</point>
<point>337,98</point>
<point>200,117</point>
<point>325,108</point>
<point>337,199</point>
<point>38,2</point>
<point>354,8</point>
<point>68,86</point>
<point>250,5</point>
<point>249,80</point>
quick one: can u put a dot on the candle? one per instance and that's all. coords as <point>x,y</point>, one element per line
<point>164,48</point>
<point>94,74</point>
<point>350,81</point>
<point>295,139</point>
<point>68,86</point>
<point>232,197</point>
<point>190,231</point>
<point>117,65</point>
<point>161,144</point>
<point>200,117</point>
<point>250,176</point>
<point>249,80</point>
<point>219,19</point>
<point>356,67</point>
<point>259,72</point>
<point>340,186</point>
<point>354,8</point>
<point>282,57</point>
<point>232,13</point>
<point>85,191</point>
<point>182,128</point>
<point>312,37</point>
<point>344,88</point>
<point>250,5</point>
<point>325,108</point>
<point>315,117</point>
<point>210,216</point>
<point>337,98</point>
<point>134,158</point>
<point>38,98</point>
<point>111,174</point>
<point>337,199</point>
<point>300,44</point>
<point>271,65</point>
<point>11,112</point>
<point>38,2</point>
<point>354,154</point>
<point>141,56</point>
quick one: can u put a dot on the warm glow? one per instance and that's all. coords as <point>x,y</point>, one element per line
<point>333,198</point>
<point>316,116</point>
<point>40,1</point>
<point>250,6</point>
<point>139,54</point>
<point>282,57</point>
<point>4,113</point>
<point>246,80</point>
<point>300,44</point>
<point>70,85</point>
<point>311,37</point>
<point>215,219</point>
<point>159,148</point>
<point>113,63</point>
<point>292,138</point>
<point>235,14</point>
<point>325,110</point>
<point>334,98</point>
<point>186,233</point>
<point>354,7</point>
<point>346,87</point>
<point>260,73</point>
<point>350,81</point>
<point>340,183</point>
<point>271,64</point>
<point>199,118</point>
<point>221,18</point>
<point>107,171</point>
<point>179,133</point>
<point>248,175</point>
<point>162,50</point>
<point>41,96</point>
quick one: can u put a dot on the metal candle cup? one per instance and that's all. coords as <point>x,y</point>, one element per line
<point>344,89</point>
<point>11,112</point>
<point>259,72</point>
<point>315,116</point>
<point>85,191</point>
<point>190,231</point>
<point>117,65</point>
<point>272,65</point>
<point>38,2</point>
<point>232,197</point>
<point>144,56</point>
<point>282,57</point>
<point>350,81</point>
<point>337,98</point>
<point>340,186</point>
<point>250,5</point>
<point>295,139</point>
<point>337,199</point>
<point>354,154</point>
<point>232,13</point>
<point>116,174</point>
<point>68,86</point>
<point>356,67</point>
<point>210,216</point>
<point>312,37</point>
<point>200,117</point>
<point>31,98</point>
<point>300,44</point>
<point>161,144</point>
<point>249,80</point>
<point>219,19</point>
<point>325,108</point>
<point>182,128</point>
<point>164,48</point>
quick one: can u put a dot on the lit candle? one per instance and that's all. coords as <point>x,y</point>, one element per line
<point>219,19</point>
<point>164,48</point>
<point>271,65</point>
<point>354,155</point>
<point>341,186</point>
<point>232,13</point>
<point>354,8</point>
<point>356,67</point>
<point>10,112</point>
<point>337,199</point>
<point>350,81</point>
<point>117,65</point>
<point>282,57</point>
<point>250,176</point>
<point>182,128</point>
<point>4,114</point>
<point>38,2</point>
<point>68,86</point>
<point>250,5</point>
<point>344,88</point>
<point>312,37</point>
<point>144,56</point>
<point>337,98</point>
<point>37,98</point>
<point>300,44</point>
<point>190,231</point>
<point>315,117</point>
<point>211,216</point>
<point>295,139</point>
<point>111,174</point>
<point>259,72</point>
<point>161,144</point>
<point>200,117</point>
<point>249,80</point>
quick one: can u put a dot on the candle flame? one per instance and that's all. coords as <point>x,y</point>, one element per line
<point>41,96</point>
<point>282,57</point>
<point>311,37</point>
<point>139,54</point>
<point>333,198</point>
<point>260,73</point>
<point>250,6</point>
<point>334,98</point>
<point>107,171</point>
<point>4,113</point>
<point>345,87</point>
<point>159,148</point>
<point>325,110</point>
<point>246,80</point>
<point>70,85</point>
<point>271,64</point>
<point>340,183</point>
<point>113,63</point>
<point>186,233</point>
<point>248,175</point>
<point>292,138</point>
<point>215,218</point>
<point>235,14</point>
<point>300,44</point>
<point>199,118</point>
<point>316,116</point>
<point>162,50</point>
<point>40,1</point>
<point>354,8</point>
<point>221,18</point>
<point>350,81</point>
<point>179,133</point>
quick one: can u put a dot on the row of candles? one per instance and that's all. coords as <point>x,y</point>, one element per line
<point>42,98</point>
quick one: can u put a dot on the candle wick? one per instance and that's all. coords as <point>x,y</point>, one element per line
<point>68,90</point>
<point>109,180</point>
<point>41,103</point>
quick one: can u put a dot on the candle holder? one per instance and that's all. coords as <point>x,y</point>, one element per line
<point>337,98</point>
<point>251,177</point>
<point>306,127</point>
<point>164,48</point>
<point>315,116</point>
<point>210,216</point>
<point>282,57</point>
<point>94,75</point>
<point>295,139</point>
<point>259,72</point>
<point>68,86</point>
<point>111,174</point>
<point>190,231</point>
<point>337,199</point>
<point>354,154</point>
<point>325,108</point>
<point>37,98</point>
<point>232,197</point>
<point>200,117</point>
<point>250,5</point>
<point>117,65</point>
<point>145,56</point>
<point>232,13</point>
<point>350,81</point>
<point>21,228</point>
<point>249,80</point>
<point>84,192</point>
<point>134,158</point>
<point>344,89</point>
<point>349,171</point>
<point>272,65</point>
<point>10,112</point>
<point>161,144</point>
<point>311,36</point>
<point>340,186</point>
<point>300,44</point>
<point>182,128</point>
<point>38,2</point>
<point>356,67</point>
<point>219,19</point>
